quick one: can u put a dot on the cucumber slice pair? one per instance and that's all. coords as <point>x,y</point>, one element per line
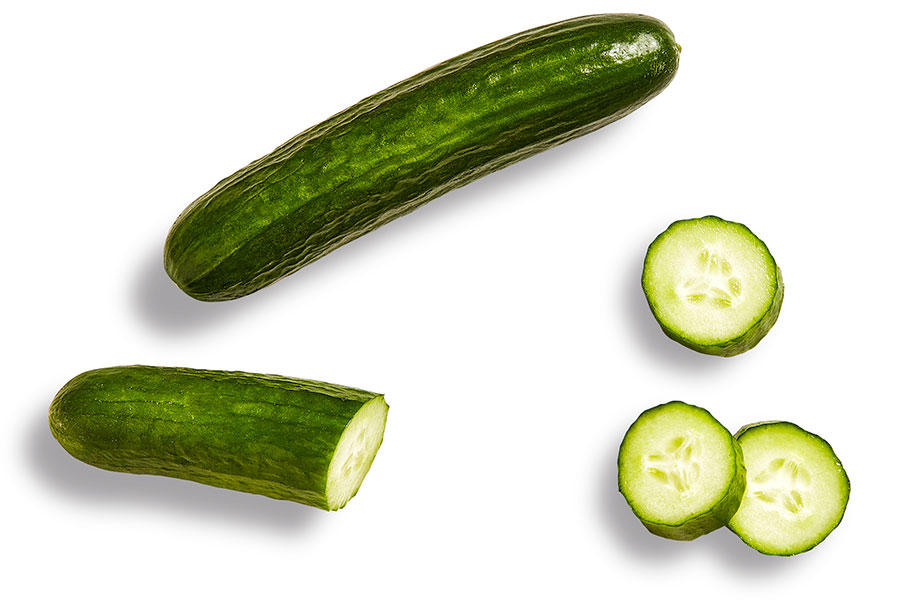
<point>712,285</point>
<point>781,489</point>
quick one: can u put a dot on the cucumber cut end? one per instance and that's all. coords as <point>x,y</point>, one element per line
<point>712,285</point>
<point>355,453</point>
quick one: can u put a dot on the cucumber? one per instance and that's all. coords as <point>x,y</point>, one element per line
<point>408,144</point>
<point>797,489</point>
<point>712,285</point>
<point>291,439</point>
<point>681,471</point>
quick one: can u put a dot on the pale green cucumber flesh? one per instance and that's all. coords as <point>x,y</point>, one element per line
<point>355,452</point>
<point>712,285</point>
<point>680,471</point>
<point>292,439</point>
<point>797,489</point>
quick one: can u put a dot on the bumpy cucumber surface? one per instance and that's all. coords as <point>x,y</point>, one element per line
<point>681,471</point>
<point>406,145</point>
<point>797,489</point>
<point>712,285</point>
<point>292,439</point>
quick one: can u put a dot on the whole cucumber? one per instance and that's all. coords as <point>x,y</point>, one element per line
<point>406,145</point>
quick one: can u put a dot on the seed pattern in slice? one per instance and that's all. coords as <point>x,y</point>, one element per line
<point>781,486</point>
<point>680,471</point>
<point>712,285</point>
<point>797,489</point>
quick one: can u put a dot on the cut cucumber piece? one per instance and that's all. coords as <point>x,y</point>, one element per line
<point>292,439</point>
<point>680,471</point>
<point>797,489</point>
<point>712,285</point>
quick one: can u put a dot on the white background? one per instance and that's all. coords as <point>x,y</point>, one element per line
<point>504,321</point>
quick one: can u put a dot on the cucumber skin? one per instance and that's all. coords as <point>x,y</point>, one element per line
<point>720,514</point>
<point>747,539</point>
<point>262,434</point>
<point>408,144</point>
<point>751,337</point>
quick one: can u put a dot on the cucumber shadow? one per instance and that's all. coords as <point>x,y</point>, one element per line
<point>164,307</point>
<point>80,483</point>
<point>631,537</point>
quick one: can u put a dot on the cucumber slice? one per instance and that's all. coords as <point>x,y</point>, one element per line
<point>712,285</point>
<point>680,471</point>
<point>797,489</point>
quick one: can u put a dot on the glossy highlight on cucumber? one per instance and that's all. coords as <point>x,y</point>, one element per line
<point>408,144</point>
<point>292,439</point>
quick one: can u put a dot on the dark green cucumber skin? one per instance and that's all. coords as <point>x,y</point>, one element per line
<point>406,145</point>
<point>692,527</point>
<point>262,434</point>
